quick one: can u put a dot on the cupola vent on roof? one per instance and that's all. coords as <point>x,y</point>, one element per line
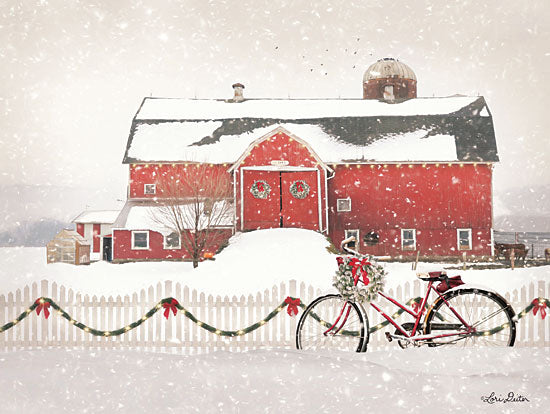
<point>238,92</point>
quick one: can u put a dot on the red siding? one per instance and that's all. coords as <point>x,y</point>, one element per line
<point>280,146</point>
<point>122,242</point>
<point>434,200</point>
<point>141,174</point>
<point>96,237</point>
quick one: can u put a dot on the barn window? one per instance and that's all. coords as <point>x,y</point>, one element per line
<point>140,240</point>
<point>464,238</point>
<point>172,241</point>
<point>408,239</point>
<point>343,204</point>
<point>150,188</point>
<point>350,233</point>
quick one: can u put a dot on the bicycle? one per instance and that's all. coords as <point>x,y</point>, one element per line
<point>459,315</point>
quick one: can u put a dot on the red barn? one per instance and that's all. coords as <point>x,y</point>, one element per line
<point>403,174</point>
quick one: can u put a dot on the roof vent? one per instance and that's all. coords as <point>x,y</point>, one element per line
<point>238,90</point>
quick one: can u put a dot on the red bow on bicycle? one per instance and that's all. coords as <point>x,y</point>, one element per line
<point>170,306</point>
<point>42,305</point>
<point>356,265</point>
<point>539,306</point>
<point>292,308</point>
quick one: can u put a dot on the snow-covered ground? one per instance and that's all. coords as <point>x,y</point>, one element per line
<point>413,380</point>
<point>252,262</point>
<point>398,381</point>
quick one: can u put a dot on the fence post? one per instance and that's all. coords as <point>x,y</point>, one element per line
<point>540,323</point>
<point>43,321</point>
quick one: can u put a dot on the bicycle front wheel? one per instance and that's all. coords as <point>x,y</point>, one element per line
<point>331,323</point>
<point>487,312</point>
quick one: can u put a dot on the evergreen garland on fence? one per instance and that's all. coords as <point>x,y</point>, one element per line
<point>43,304</point>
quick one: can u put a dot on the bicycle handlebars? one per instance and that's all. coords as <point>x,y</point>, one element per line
<point>345,248</point>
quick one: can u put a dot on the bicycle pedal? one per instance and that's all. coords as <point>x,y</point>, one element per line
<point>389,337</point>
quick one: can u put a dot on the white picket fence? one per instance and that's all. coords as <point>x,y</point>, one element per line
<point>180,335</point>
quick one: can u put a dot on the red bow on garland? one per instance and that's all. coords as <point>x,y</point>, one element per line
<point>539,306</point>
<point>42,304</point>
<point>415,306</point>
<point>358,265</point>
<point>170,306</point>
<point>292,308</point>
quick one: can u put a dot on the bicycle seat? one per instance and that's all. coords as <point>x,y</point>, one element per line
<point>432,276</point>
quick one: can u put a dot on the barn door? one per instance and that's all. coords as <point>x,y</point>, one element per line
<point>300,199</point>
<point>261,199</point>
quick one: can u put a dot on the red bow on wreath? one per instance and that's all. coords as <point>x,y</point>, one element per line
<point>292,308</point>
<point>170,306</point>
<point>260,187</point>
<point>358,265</point>
<point>42,304</point>
<point>299,186</point>
<point>539,306</point>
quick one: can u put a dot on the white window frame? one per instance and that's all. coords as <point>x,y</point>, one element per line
<point>134,247</point>
<point>168,247</point>
<point>154,189</point>
<point>338,209</point>
<point>347,233</point>
<point>459,247</point>
<point>408,249</point>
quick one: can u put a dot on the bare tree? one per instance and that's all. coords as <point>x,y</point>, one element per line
<point>196,203</point>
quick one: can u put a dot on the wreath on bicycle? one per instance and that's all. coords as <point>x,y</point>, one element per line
<point>299,189</point>
<point>260,189</point>
<point>351,271</point>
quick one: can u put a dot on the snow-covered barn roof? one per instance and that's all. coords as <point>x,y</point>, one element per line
<point>97,216</point>
<point>454,128</point>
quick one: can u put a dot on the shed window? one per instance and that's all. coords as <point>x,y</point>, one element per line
<point>464,238</point>
<point>354,233</point>
<point>343,204</point>
<point>172,241</point>
<point>67,256</point>
<point>140,240</point>
<point>408,239</point>
<point>150,188</point>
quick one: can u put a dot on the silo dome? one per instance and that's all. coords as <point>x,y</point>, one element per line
<point>388,68</point>
<point>390,80</point>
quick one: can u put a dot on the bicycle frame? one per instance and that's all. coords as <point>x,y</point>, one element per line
<point>417,316</point>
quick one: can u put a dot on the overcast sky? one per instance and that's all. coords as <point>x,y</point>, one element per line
<point>74,72</point>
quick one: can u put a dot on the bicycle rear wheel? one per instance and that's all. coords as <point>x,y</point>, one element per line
<point>314,331</point>
<point>488,312</point>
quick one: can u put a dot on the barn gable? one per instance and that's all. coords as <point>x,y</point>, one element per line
<point>280,148</point>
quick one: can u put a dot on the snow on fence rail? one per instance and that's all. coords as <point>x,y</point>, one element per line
<point>180,335</point>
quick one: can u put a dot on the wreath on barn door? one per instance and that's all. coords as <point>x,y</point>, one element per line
<point>260,189</point>
<point>299,189</point>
